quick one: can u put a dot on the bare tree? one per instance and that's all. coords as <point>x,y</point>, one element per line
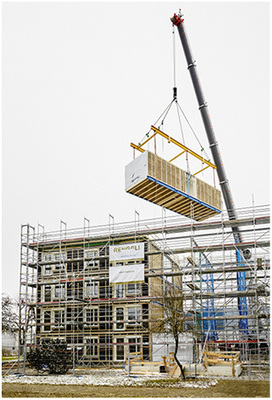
<point>174,320</point>
<point>10,319</point>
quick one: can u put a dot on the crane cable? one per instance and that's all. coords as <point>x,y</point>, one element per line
<point>164,114</point>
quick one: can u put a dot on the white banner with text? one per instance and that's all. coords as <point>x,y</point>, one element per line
<point>130,251</point>
<point>127,273</point>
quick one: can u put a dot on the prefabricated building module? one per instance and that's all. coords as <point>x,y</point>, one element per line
<point>154,179</point>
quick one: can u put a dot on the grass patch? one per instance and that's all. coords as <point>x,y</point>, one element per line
<point>9,358</point>
<point>164,382</point>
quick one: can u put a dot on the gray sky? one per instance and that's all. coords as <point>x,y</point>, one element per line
<point>83,80</point>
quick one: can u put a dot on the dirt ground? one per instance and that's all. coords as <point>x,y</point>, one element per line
<point>224,388</point>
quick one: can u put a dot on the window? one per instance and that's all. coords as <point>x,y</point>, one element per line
<point>91,348</point>
<point>120,316</point>
<point>133,289</point>
<point>78,253</point>
<point>47,270</point>
<point>134,347</point>
<point>91,254</point>
<point>94,264</point>
<point>134,315</point>
<point>59,317</point>
<point>60,256</point>
<point>47,257</point>
<point>120,349</point>
<point>59,291</point>
<point>47,293</point>
<point>120,290</point>
<point>47,320</point>
<point>91,289</point>
<point>59,267</point>
<point>92,316</point>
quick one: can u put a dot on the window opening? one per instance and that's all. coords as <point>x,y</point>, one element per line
<point>134,315</point>
<point>120,316</point>
<point>133,289</point>
<point>91,289</point>
<point>47,270</point>
<point>59,291</point>
<point>47,293</point>
<point>92,347</point>
<point>120,349</point>
<point>47,320</point>
<point>120,290</point>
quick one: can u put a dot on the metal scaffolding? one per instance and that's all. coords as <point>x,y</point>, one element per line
<point>65,290</point>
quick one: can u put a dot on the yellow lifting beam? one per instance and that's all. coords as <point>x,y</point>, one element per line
<point>172,159</point>
<point>203,169</point>
<point>170,139</point>
<point>177,143</point>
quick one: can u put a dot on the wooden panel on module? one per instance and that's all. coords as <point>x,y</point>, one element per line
<point>160,182</point>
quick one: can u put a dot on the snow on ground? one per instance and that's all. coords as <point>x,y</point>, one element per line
<point>102,378</point>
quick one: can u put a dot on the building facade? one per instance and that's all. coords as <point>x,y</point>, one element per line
<point>100,289</point>
<point>96,296</point>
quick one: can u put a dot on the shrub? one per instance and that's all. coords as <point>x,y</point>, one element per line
<point>52,356</point>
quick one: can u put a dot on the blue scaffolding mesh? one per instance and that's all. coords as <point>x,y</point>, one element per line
<point>241,284</point>
<point>209,326</point>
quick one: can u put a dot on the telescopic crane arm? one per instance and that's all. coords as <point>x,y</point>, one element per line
<point>223,181</point>
<point>225,188</point>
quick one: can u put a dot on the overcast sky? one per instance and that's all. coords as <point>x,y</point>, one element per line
<point>83,80</point>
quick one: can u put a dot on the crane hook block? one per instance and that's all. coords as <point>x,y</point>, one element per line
<point>176,19</point>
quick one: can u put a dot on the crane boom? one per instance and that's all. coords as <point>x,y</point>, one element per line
<point>217,158</point>
<point>223,181</point>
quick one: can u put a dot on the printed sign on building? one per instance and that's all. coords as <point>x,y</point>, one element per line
<point>129,251</point>
<point>127,273</point>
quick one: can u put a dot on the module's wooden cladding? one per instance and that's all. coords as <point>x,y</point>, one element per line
<point>201,194</point>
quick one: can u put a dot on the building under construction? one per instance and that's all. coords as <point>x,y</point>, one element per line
<point>101,289</point>
<point>72,286</point>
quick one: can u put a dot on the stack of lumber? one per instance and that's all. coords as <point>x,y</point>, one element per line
<point>230,358</point>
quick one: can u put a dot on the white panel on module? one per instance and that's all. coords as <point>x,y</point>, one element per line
<point>136,170</point>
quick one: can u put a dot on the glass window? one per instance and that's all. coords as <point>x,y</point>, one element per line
<point>60,256</point>
<point>120,349</point>
<point>47,293</point>
<point>91,254</point>
<point>93,264</point>
<point>134,347</point>
<point>120,316</point>
<point>120,290</point>
<point>47,257</point>
<point>133,289</point>
<point>134,314</point>
<point>59,317</point>
<point>91,289</point>
<point>59,267</point>
<point>91,347</point>
<point>47,270</point>
<point>59,291</point>
<point>92,315</point>
<point>47,320</point>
